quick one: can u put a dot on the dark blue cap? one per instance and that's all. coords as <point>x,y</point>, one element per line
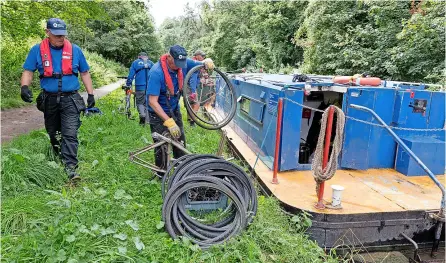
<point>57,26</point>
<point>179,55</point>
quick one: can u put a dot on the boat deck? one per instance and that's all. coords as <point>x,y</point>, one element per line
<point>371,191</point>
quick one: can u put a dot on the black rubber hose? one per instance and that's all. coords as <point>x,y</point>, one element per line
<point>178,165</point>
<point>194,172</point>
<point>222,169</point>
<point>174,227</point>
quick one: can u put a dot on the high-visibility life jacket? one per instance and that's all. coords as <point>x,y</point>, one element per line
<point>67,59</point>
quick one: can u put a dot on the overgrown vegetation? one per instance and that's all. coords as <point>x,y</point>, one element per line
<point>115,214</point>
<point>389,39</point>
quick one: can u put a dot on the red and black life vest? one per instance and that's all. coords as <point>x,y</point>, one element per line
<point>67,59</point>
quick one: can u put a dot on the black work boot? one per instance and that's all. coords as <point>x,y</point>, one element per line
<point>72,174</point>
<point>142,121</point>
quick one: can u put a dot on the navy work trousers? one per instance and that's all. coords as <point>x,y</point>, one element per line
<point>62,122</point>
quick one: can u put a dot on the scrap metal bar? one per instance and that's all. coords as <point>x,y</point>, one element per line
<point>416,257</point>
<point>156,135</point>
<point>140,160</point>
<point>411,154</point>
<point>147,148</point>
<point>150,166</point>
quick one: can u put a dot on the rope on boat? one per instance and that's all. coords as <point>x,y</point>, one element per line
<point>320,174</point>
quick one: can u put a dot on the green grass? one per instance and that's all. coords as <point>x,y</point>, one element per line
<point>117,208</point>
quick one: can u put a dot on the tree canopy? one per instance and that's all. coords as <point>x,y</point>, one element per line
<point>399,40</point>
<point>117,30</point>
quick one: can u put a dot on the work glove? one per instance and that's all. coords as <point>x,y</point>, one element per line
<point>90,101</point>
<point>26,94</point>
<point>173,128</point>
<point>209,64</point>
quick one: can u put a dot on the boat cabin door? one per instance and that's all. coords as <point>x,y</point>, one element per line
<point>355,153</point>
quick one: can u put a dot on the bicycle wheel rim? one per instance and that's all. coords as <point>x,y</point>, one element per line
<point>203,122</point>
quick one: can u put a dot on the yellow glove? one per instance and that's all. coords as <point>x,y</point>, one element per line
<point>209,64</point>
<point>173,128</point>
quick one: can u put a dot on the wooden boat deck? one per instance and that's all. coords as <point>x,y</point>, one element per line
<point>371,191</point>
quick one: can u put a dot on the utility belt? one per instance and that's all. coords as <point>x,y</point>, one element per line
<point>57,76</point>
<point>62,94</point>
<point>74,95</point>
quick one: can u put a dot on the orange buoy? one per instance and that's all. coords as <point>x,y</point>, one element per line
<point>357,81</point>
<point>343,79</point>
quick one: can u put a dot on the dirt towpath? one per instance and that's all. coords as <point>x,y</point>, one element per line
<point>23,120</point>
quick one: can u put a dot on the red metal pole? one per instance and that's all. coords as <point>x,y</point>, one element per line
<point>278,137</point>
<point>320,195</point>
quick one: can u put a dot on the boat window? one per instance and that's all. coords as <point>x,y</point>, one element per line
<point>245,104</point>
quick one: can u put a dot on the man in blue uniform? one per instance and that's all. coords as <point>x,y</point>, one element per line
<point>163,93</point>
<point>139,70</point>
<point>59,64</point>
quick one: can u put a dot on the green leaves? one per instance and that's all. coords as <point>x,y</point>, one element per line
<point>70,238</point>
<point>94,163</point>
<point>160,225</point>
<point>138,243</point>
<point>302,221</point>
<point>122,250</point>
<point>107,231</point>
<point>120,236</point>
<point>61,255</point>
<point>380,38</point>
<point>132,224</point>
<point>127,29</point>
<point>121,194</point>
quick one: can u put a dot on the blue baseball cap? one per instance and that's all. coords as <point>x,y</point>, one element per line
<point>179,55</point>
<point>57,27</point>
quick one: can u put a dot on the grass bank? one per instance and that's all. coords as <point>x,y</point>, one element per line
<point>113,215</point>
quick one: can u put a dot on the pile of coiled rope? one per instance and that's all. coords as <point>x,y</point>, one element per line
<point>319,174</point>
<point>194,172</point>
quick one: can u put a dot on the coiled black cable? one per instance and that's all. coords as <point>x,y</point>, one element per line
<point>192,172</point>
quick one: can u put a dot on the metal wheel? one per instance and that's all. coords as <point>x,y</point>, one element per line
<point>212,89</point>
